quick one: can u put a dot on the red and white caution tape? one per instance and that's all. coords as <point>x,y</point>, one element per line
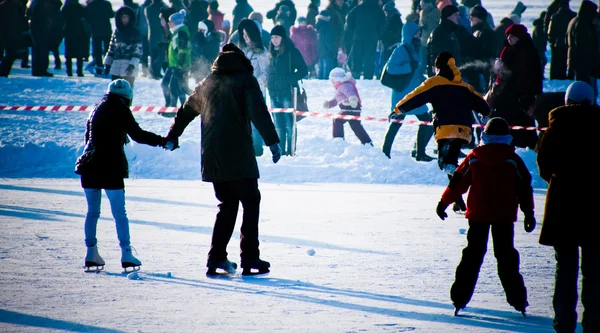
<point>164,109</point>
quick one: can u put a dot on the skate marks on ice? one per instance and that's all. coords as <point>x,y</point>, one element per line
<point>14,320</point>
<point>368,302</point>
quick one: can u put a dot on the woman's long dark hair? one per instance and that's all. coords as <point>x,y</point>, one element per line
<point>251,29</point>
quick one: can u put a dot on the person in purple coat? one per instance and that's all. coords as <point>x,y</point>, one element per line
<point>304,37</point>
<point>348,99</point>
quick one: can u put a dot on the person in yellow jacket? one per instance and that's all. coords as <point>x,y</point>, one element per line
<point>174,83</point>
<point>453,101</point>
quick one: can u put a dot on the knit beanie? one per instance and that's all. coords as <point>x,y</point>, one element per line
<point>448,10</point>
<point>120,87</point>
<point>517,30</point>
<point>278,30</point>
<point>496,126</point>
<point>479,12</point>
<point>442,59</point>
<point>178,17</point>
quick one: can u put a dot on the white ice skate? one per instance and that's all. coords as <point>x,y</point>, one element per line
<point>93,260</point>
<point>128,261</point>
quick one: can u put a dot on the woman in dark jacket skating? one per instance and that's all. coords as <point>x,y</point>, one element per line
<point>286,68</point>
<point>103,165</point>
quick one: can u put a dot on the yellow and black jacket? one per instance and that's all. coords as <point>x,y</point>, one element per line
<point>452,101</point>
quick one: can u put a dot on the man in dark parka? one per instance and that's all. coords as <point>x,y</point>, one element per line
<point>582,40</point>
<point>227,101</point>
<point>571,214</point>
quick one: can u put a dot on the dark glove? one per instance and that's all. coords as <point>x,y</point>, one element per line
<point>529,222</point>
<point>106,70</point>
<point>130,70</point>
<point>393,116</point>
<point>441,210</point>
<point>276,151</point>
<point>170,143</point>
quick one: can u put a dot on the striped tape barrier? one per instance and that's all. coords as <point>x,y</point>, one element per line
<point>164,109</point>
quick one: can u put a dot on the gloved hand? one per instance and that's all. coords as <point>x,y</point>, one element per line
<point>325,105</point>
<point>529,222</point>
<point>353,100</point>
<point>441,210</point>
<point>170,143</point>
<point>276,152</point>
<point>393,116</point>
<point>106,70</point>
<point>130,70</point>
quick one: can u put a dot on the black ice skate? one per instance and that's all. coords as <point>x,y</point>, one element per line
<point>128,261</point>
<point>93,260</point>
<point>457,309</point>
<point>255,267</point>
<point>220,267</point>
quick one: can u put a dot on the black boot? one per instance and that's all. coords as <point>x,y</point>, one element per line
<point>227,266</point>
<point>424,134</point>
<point>390,135</point>
<point>69,65</point>
<point>79,67</point>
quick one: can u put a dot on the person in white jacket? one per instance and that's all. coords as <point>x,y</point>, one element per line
<point>252,46</point>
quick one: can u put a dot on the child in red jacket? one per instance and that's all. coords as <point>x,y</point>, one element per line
<point>498,182</point>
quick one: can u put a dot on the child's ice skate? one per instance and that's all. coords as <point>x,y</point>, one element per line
<point>93,261</point>
<point>128,261</point>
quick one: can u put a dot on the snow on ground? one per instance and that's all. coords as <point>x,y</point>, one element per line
<point>352,236</point>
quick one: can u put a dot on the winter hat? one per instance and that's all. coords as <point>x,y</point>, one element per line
<point>442,59</point>
<point>230,47</point>
<point>496,126</point>
<point>278,30</point>
<point>301,19</point>
<point>120,87</point>
<point>448,10</point>
<point>339,75</point>
<point>517,30</point>
<point>178,17</point>
<point>579,92</point>
<point>325,13</point>
<point>479,12</point>
<point>389,6</point>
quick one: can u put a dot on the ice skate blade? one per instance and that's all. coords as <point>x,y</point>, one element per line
<point>91,267</point>
<point>130,268</point>
<point>249,272</point>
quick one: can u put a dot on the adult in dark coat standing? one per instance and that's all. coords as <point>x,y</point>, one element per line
<point>156,37</point>
<point>312,12</point>
<point>571,216</point>
<point>77,40</point>
<point>287,67</point>
<point>10,34</point>
<point>392,33</point>
<point>272,14</point>
<point>56,31</point>
<point>444,39</point>
<point>228,101</point>
<point>557,38</point>
<point>241,11</point>
<point>487,40</point>
<point>103,166</point>
<point>98,13</point>
<point>582,41</point>
<point>39,13</point>
<point>337,21</point>
<point>519,82</point>
<point>196,12</point>
<point>364,27</point>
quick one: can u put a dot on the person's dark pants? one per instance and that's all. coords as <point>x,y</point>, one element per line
<point>448,151</point>
<point>284,123</point>
<point>157,58</point>
<point>172,86</point>
<point>565,291</point>
<point>56,53</point>
<point>558,63</point>
<point>355,125</point>
<point>145,51</point>
<point>506,255</point>
<point>25,57</point>
<point>99,47</point>
<point>69,65</point>
<point>394,127</point>
<point>362,58</point>
<point>39,57</point>
<point>325,65</point>
<point>230,194</point>
<point>8,60</point>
